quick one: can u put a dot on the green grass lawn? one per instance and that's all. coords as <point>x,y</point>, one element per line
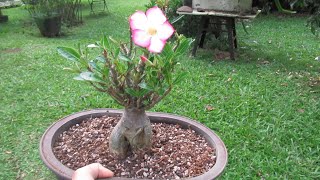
<point>262,105</point>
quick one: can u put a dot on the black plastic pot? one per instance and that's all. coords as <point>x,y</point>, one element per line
<point>49,26</point>
<point>3,18</point>
<point>63,172</point>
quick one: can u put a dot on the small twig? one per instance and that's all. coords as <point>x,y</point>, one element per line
<point>98,88</point>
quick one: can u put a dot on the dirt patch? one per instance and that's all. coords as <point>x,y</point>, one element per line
<point>13,50</point>
<point>176,153</point>
<point>221,55</point>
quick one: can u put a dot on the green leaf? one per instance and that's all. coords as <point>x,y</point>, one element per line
<point>143,85</point>
<point>78,78</point>
<point>105,42</point>
<point>143,92</point>
<point>168,76</point>
<point>101,59</point>
<point>131,92</point>
<point>69,54</point>
<point>89,76</point>
<point>95,66</point>
<point>124,58</point>
<point>176,19</point>
<point>113,40</point>
<point>117,52</point>
<point>167,51</point>
<point>183,46</point>
<point>180,77</point>
<point>72,70</point>
<point>162,90</point>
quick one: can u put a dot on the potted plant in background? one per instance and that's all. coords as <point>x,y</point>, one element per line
<point>3,18</point>
<point>7,4</point>
<point>137,77</point>
<point>47,15</point>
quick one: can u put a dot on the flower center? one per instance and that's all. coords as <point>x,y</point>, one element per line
<point>152,31</point>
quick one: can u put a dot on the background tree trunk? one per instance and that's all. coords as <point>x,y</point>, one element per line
<point>133,132</point>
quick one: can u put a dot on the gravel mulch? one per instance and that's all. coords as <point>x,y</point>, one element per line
<point>176,153</point>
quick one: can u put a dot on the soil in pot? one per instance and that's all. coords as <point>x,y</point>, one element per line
<point>176,152</point>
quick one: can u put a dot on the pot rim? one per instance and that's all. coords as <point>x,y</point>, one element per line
<point>64,172</point>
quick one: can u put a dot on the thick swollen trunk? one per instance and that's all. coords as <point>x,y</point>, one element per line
<point>133,132</point>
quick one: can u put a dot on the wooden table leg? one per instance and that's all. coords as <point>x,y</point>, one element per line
<point>230,25</point>
<point>205,27</point>
<point>234,33</point>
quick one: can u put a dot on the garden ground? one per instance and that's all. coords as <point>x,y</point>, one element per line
<point>265,106</point>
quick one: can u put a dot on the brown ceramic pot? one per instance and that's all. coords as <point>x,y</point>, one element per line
<point>63,172</point>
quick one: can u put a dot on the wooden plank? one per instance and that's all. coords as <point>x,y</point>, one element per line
<point>221,14</point>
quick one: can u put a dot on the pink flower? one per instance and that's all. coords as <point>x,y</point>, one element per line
<point>151,29</point>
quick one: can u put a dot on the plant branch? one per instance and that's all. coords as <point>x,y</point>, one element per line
<point>116,97</point>
<point>155,100</point>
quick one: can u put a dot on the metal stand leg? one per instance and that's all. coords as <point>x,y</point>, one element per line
<point>201,34</point>
<point>105,7</point>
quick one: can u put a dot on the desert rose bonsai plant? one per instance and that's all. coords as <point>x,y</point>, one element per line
<point>137,74</point>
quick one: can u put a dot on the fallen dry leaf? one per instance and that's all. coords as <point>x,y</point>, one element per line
<point>209,108</point>
<point>264,62</point>
<point>220,55</point>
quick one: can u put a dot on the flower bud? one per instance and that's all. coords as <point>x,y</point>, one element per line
<point>143,59</point>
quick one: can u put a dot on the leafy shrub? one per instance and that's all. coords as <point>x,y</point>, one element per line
<point>68,9</point>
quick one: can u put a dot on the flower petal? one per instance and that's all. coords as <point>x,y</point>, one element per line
<point>138,20</point>
<point>155,15</point>
<point>165,31</point>
<point>156,45</point>
<point>141,38</point>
